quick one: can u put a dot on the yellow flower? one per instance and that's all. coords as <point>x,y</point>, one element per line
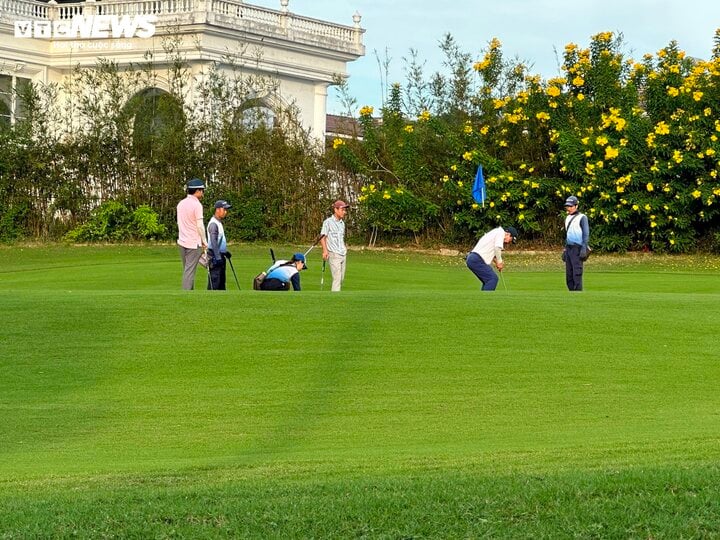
<point>492,204</point>
<point>503,143</point>
<point>653,224</point>
<point>521,217</point>
<point>672,91</point>
<point>677,156</point>
<point>534,185</point>
<point>484,130</point>
<point>467,129</point>
<point>662,128</point>
<point>553,91</point>
<point>580,96</point>
<point>337,143</point>
<point>521,206</point>
<point>475,206</point>
<point>542,116</point>
<point>710,152</point>
<point>467,156</point>
<point>588,153</point>
<point>408,129</point>
<point>453,167</point>
<point>635,207</point>
<point>697,194</point>
<point>648,207</point>
<point>445,178</point>
<point>578,81</point>
<point>601,140</point>
<point>386,195</point>
<point>460,184</point>
<point>367,110</point>
<point>611,153</point>
<point>697,96</point>
<point>649,186</point>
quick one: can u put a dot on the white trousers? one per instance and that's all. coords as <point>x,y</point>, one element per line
<point>337,269</point>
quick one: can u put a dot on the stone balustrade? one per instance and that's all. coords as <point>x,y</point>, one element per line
<point>232,14</point>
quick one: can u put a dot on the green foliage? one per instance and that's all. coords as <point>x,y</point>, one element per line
<point>395,210</point>
<point>113,221</point>
<point>636,142</point>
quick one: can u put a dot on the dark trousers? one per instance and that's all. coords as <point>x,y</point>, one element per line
<point>216,276</point>
<point>573,268</point>
<point>482,270</point>
<point>274,285</point>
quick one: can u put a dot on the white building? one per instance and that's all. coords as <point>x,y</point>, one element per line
<point>43,42</point>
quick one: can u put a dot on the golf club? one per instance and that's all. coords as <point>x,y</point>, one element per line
<point>502,278</point>
<point>272,254</point>
<point>207,267</point>
<point>319,237</point>
<point>322,276</point>
<point>234,274</point>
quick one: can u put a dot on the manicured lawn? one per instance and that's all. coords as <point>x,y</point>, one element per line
<point>409,405</point>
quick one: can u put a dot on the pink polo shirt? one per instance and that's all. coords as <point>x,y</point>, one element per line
<point>189,210</point>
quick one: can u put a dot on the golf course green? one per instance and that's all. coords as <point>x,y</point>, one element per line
<point>410,405</point>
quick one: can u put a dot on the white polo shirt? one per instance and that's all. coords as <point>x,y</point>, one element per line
<point>487,244</point>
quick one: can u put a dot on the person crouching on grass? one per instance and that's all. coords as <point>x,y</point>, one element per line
<point>283,273</point>
<point>488,249</point>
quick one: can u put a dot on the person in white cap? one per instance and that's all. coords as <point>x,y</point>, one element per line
<point>191,231</point>
<point>332,240</point>
<point>577,236</point>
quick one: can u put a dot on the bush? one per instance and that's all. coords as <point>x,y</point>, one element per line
<point>113,221</point>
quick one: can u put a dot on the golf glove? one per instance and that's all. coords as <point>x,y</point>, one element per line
<point>227,255</point>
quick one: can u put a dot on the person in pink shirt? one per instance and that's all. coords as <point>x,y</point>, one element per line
<point>191,231</point>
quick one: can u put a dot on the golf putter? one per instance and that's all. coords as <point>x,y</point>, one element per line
<point>272,254</point>
<point>322,276</point>
<point>502,278</point>
<point>234,274</point>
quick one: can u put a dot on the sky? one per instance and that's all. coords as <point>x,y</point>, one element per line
<point>535,31</point>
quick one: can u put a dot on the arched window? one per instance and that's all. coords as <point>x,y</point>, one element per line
<point>158,122</point>
<point>256,113</point>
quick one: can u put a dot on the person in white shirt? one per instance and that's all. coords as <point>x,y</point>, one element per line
<point>488,249</point>
<point>332,241</point>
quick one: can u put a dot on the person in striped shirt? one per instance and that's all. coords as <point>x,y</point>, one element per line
<point>333,243</point>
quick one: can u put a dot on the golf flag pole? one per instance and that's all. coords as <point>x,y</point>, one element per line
<point>478,191</point>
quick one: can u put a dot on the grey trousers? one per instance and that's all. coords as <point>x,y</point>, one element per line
<point>337,269</point>
<point>189,258</point>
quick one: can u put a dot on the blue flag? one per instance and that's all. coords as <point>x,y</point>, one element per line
<point>478,191</point>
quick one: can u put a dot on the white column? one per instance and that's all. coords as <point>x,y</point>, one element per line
<point>320,111</point>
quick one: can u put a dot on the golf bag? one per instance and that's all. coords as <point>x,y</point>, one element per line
<point>258,280</point>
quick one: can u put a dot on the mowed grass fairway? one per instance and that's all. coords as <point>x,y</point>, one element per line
<point>411,405</point>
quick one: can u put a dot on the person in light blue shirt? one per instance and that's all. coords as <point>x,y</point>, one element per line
<point>284,273</point>
<point>577,249</point>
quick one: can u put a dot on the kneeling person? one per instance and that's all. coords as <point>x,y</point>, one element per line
<point>282,274</point>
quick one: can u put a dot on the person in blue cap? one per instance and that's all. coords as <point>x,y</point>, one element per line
<point>577,236</point>
<point>488,249</point>
<point>217,247</point>
<point>284,273</point>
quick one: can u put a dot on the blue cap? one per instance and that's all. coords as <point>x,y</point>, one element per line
<point>299,257</point>
<point>572,200</point>
<point>223,204</point>
<point>196,183</point>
